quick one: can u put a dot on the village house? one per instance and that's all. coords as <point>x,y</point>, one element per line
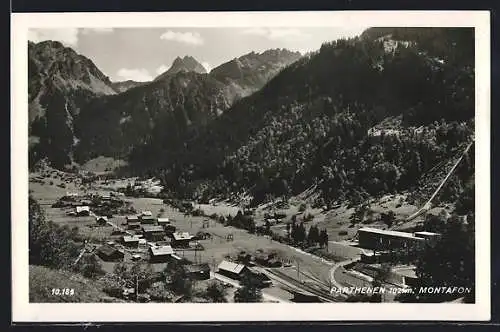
<point>101,220</point>
<point>130,241</point>
<point>163,221</point>
<point>153,232</point>
<point>133,222</point>
<point>232,270</point>
<point>132,219</point>
<point>160,254</point>
<point>82,211</point>
<point>146,213</point>
<point>181,239</point>
<point>269,260</point>
<point>147,220</point>
<point>134,225</point>
<point>109,253</point>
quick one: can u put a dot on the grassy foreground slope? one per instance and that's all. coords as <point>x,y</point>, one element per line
<point>42,280</point>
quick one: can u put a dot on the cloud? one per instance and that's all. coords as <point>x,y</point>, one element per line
<point>67,36</point>
<point>137,74</point>
<point>163,68</point>
<point>290,34</point>
<point>87,31</point>
<point>208,66</point>
<point>190,38</point>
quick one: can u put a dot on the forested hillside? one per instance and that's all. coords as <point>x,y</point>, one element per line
<point>182,99</point>
<point>322,121</point>
<point>162,109</point>
<point>77,114</point>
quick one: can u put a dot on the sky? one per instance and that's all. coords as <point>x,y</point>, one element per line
<point>141,54</point>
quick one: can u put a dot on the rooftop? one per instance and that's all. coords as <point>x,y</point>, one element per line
<point>152,228</point>
<point>146,213</point>
<point>182,236</point>
<point>231,267</point>
<point>163,220</point>
<point>132,218</point>
<point>134,223</point>
<point>128,238</point>
<point>387,232</point>
<point>161,250</point>
<point>82,208</point>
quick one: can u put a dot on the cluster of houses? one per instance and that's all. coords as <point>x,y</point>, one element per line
<point>158,229</point>
<point>144,230</point>
<point>81,204</point>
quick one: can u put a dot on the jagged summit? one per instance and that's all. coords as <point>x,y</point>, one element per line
<point>185,64</point>
<point>51,59</point>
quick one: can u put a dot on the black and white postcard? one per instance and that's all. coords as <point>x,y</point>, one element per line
<point>241,166</point>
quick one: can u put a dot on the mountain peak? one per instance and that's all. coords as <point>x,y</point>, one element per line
<point>184,64</point>
<point>247,67</point>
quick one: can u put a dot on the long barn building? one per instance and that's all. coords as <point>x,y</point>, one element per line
<point>379,239</point>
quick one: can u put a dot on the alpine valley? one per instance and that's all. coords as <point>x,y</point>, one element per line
<point>352,165</point>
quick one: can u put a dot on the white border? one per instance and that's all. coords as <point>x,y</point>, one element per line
<point>23,311</point>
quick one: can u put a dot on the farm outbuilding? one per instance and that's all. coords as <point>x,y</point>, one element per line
<point>132,219</point>
<point>159,254</point>
<point>232,270</point>
<point>163,221</point>
<point>108,253</point>
<point>153,232</point>
<point>134,225</point>
<point>181,239</point>
<point>147,220</point>
<point>268,259</point>
<point>82,211</point>
<point>101,220</point>
<point>130,241</point>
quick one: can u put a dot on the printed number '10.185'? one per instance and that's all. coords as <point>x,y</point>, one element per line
<point>63,291</point>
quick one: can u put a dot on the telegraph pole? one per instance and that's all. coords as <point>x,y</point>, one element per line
<point>298,270</point>
<point>136,288</point>
<point>195,256</point>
